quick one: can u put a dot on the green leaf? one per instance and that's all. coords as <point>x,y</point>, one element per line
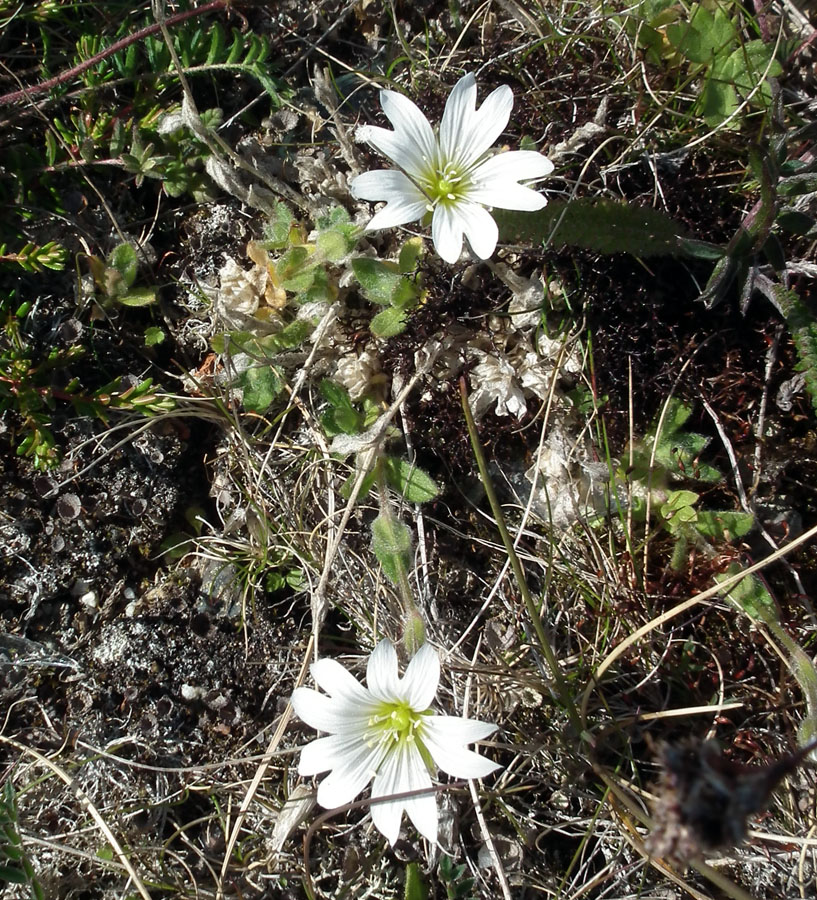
<point>416,888</point>
<point>332,245</point>
<point>12,850</point>
<point>388,322</point>
<point>405,295</point>
<point>12,875</point>
<point>296,269</point>
<point>337,234</point>
<point>321,289</point>
<point>334,217</point>
<point>125,260</point>
<point>721,279</point>
<point>378,280</point>
<point>154,336</point>
<point>276,230</point>
<point>261,385</point>
<point>606,226</point>
<point>796,185</point>
<point>366,485</point>
<point>413,483</point>
<point>717,102</point>
<point>794,221</point>
<point>724,524</point>
<point>289,338</point>
<point>750,595</point>
<point>410,255</point>
<point>177,178</point>
<point>176,545</point>
<point>341,417</point>
<point>802,325</point>
<point>701,249</point>
<point>391,543</point>
<point>137,297</point>
<point>679,509</point>
<point>676,450</point>
<point>748,65</point>
<point>705,36</point>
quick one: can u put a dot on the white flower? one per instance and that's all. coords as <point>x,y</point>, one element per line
<point>386,732</point>
<point>450,175</point>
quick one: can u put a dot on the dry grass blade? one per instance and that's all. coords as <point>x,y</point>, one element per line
<point>670,614</point>
<point>258,777</point>
<point>92,811</point>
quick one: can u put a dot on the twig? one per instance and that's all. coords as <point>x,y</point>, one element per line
<point>309,887</point>
<point>496,860</point>
<point>27,92</point>
<point>365,462</point>
<point>260,772</point>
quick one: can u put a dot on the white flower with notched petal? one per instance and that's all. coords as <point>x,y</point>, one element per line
<point>450,175</point>
<point>388,733</point>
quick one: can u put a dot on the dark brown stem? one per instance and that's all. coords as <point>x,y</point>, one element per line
<point>25,93</point>
<point>356,804</point>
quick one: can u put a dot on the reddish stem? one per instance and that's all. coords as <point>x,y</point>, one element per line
<point>25,93</point>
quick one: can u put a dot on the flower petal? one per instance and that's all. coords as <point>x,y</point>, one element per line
<point>479,227</point>
<point>381,673</point>
<point>409,123</point>
<point>411,145</point>
<point>396,148</point>
<point>422,810</point>
<point>488,123</point>
<point>406,203</point>
<point>386,815</point>
<point>423,813</point>
<point>459,730</point>
<point>326,714</point>
<point>419,685</point>
<point>386,818</point>
<point>385,184</point>
<point>347,780</point>
<point>392,215</point>
<point>455,127</point>
<point>446,232</point>
<point>507,195</point>
<point>454,759</point>
<point>338,682</point>
<point>326,753</point>
<point>513,165</point>
<point>402,770</point>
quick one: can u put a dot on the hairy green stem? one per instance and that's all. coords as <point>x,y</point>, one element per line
<point>560,686</point>
<point>413,623</point>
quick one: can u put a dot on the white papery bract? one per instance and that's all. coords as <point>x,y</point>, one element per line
<point>451,174</point>
<point>387,733</point>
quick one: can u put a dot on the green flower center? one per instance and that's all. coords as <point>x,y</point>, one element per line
<point>396,726</point>
<point>395,723</point>
<point>446,185</point>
